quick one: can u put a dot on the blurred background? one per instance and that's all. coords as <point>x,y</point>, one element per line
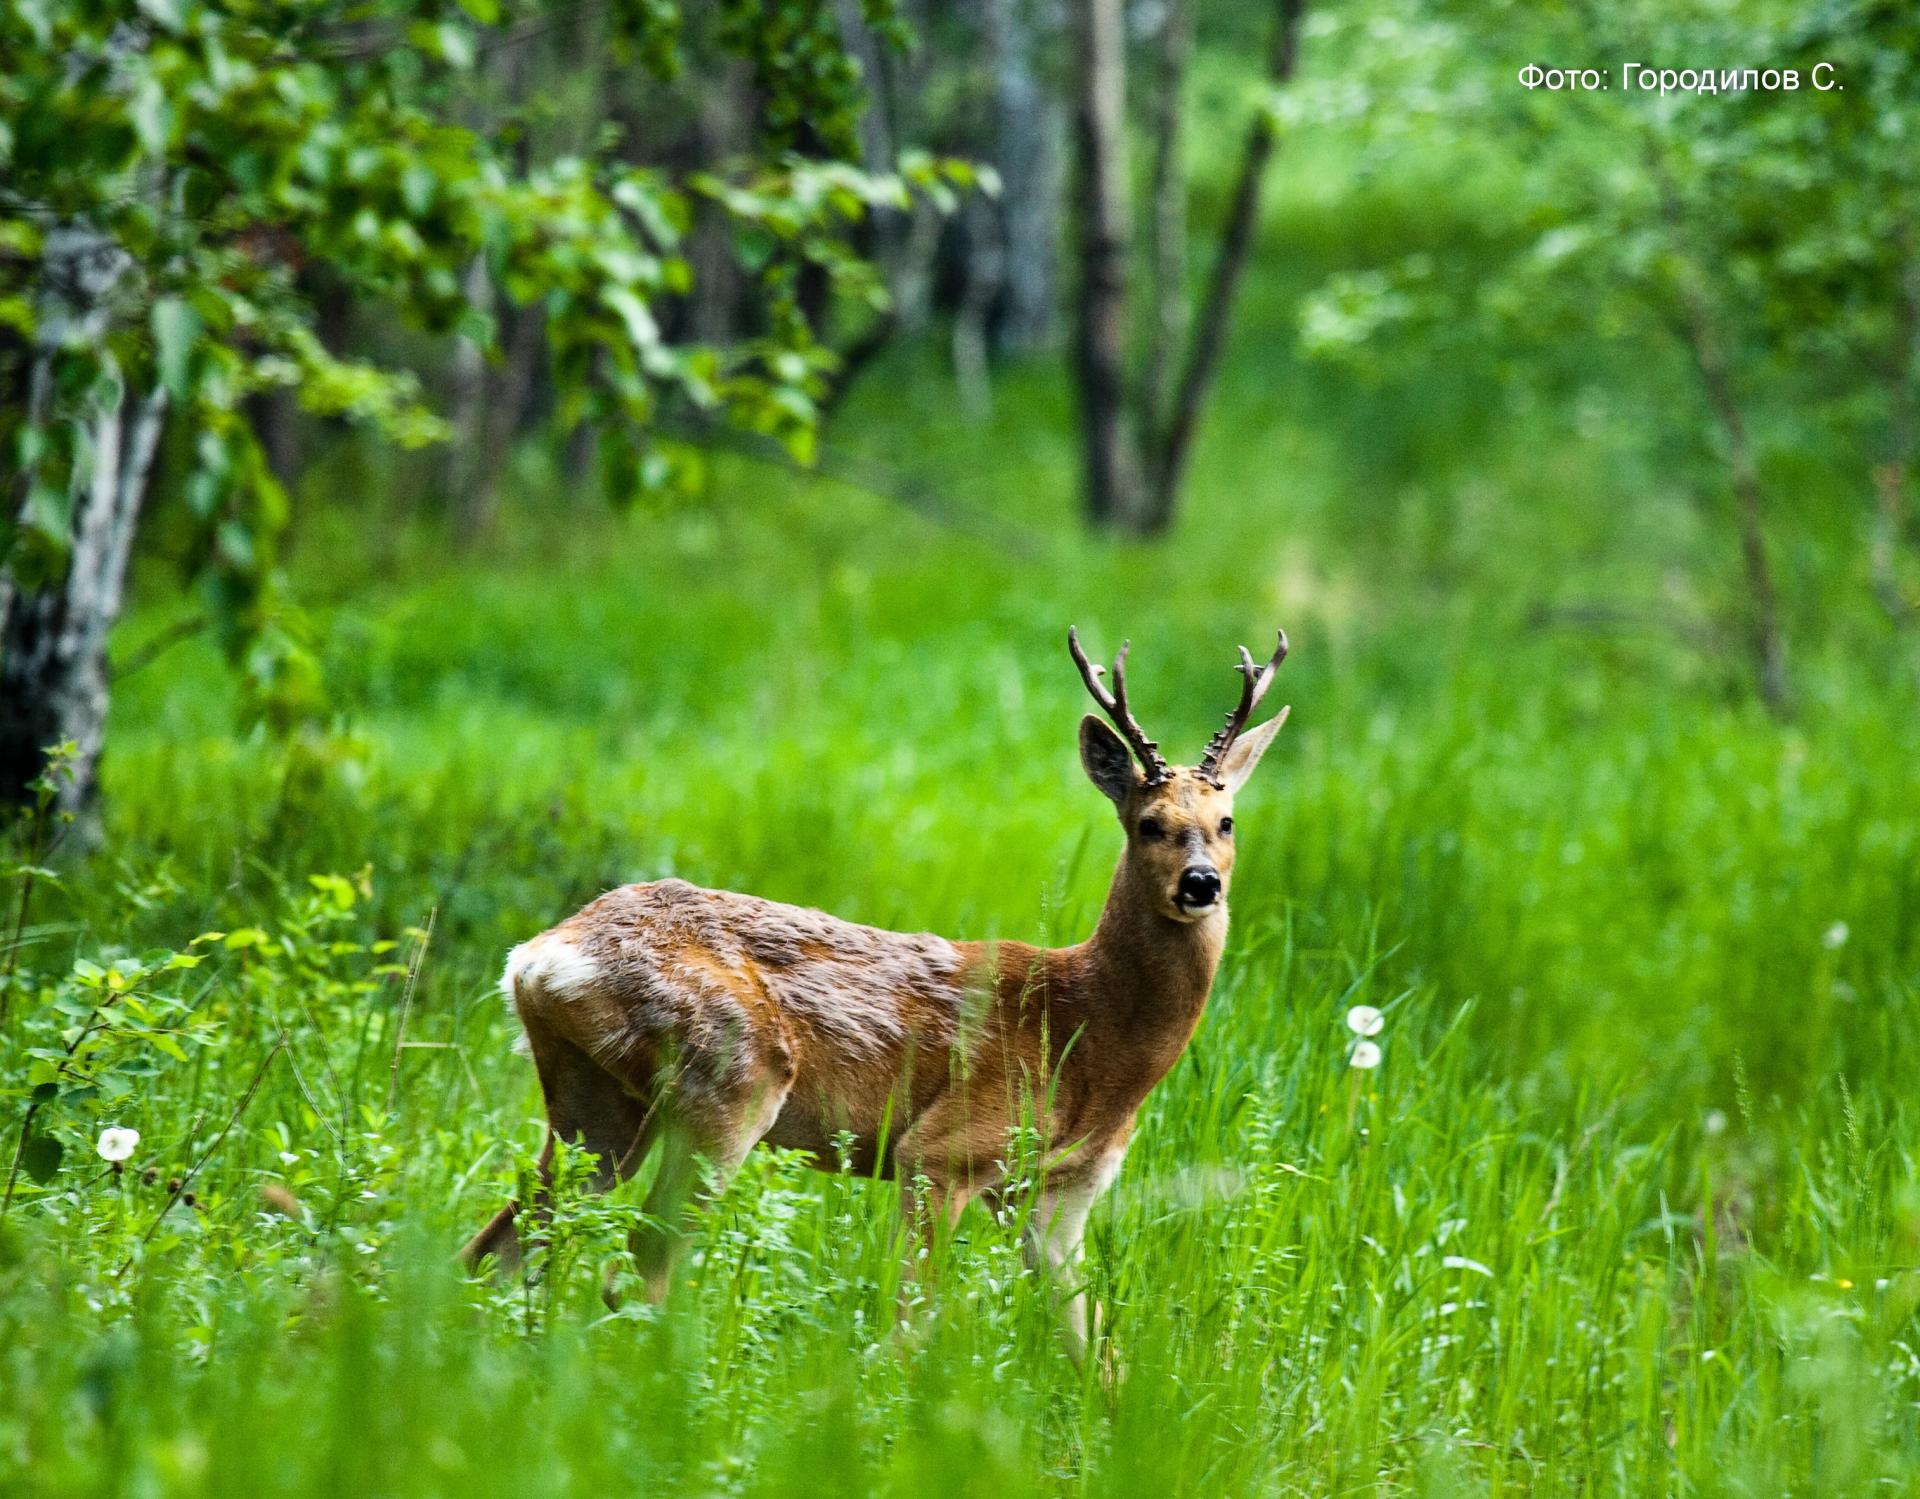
<point>461,457</point>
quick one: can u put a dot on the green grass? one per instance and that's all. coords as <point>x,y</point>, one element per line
<point>1631,1206</point>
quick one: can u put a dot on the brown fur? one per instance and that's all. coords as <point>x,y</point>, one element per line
<point>711,1021</point>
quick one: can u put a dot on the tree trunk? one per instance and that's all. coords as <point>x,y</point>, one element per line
<point>1173,447</point>
<point>53,641</point>
<point>1111,477</point>
<point>984,265</point>
<point>505,392</point>
<point>1167,328</point>
<point>467,401</point>
<point>1764,639</point>
<point>1698,329</point>
<point>722,130</point>
<point>1893,477</point>
<point>1026,154</point>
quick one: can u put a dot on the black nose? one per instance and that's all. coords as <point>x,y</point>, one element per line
<point>1199,886</point>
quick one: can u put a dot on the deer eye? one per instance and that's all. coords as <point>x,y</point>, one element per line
<point>1150,827</point>
<point>1226,827</point>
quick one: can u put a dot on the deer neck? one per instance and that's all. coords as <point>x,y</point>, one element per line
<point>1152,973</point>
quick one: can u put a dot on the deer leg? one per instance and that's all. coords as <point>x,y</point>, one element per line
<point>585,1103</point>
<point>1053,1241</point>
<point>716,1137</point>
<point>932,1209</point>
<point>934,1163</point>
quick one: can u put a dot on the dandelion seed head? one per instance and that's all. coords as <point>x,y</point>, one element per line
<point>1366,1056</point>
<point>1714,1124</point>
<point>1365,1020</point>
<point>1835,936</point>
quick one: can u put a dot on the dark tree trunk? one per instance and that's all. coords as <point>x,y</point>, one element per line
<point>1111,476</point>
<point>495,399</point>
<point>275,415</point>
<point>1133,475</point>
<point>1173,446</point>
<point>1894,477</point>
<point>1764,639</point>
<point>53,641</point>
<point>1698,328</point>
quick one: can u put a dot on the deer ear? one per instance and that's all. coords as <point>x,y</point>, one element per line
<point>1108,763</point>
<point>1248,749</point>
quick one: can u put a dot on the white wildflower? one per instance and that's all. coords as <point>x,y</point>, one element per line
<point>1365,1020</point>
<point>1366,1056</point>
<point>1715,1123</point>
<point>117,1144</point>
<point>1835,936</point>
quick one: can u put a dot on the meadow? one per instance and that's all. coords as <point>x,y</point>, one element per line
<point>1630,1205</point>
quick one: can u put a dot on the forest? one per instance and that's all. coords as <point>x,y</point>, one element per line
<point>461,457</point>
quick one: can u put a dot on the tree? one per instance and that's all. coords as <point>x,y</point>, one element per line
<point>171,171</point>
<point>1137,436</point>
<point>1746,225</point>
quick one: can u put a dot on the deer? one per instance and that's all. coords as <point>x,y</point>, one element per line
<point>697,1024</point>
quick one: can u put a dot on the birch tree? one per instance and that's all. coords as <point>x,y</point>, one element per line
<point>169,169</point>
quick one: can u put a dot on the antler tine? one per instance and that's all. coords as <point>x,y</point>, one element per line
<point>1114,705</point>
<point>1253,688</point>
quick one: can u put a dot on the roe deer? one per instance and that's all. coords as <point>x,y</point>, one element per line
<point>702,1022</point>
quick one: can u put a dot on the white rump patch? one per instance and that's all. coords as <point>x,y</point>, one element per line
<point>553,964</point>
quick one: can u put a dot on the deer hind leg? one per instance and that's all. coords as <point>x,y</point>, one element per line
<point>710,1118</point>
<point>587,1106</point>
<point>586,1103</point>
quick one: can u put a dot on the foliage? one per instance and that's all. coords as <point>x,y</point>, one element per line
<point>1646,959</point>
<point>1630,1205</point>
<point>1744,224</point>
<point>231,163</point>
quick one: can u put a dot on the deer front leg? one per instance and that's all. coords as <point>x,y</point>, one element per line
<point>1054,1237</point>
<point>934,1162</point>
<point>931,1208</point>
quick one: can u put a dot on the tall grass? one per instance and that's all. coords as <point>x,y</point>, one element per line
<point>1630,1206</point>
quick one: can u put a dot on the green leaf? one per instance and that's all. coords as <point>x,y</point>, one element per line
<point>40,1157</point>
<point>161,1041</point>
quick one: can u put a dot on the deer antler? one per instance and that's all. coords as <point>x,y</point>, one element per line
<point>1252,689</point>
<point>1114,705</point>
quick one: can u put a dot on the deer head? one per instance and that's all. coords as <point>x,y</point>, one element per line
<point>1178,819</point>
